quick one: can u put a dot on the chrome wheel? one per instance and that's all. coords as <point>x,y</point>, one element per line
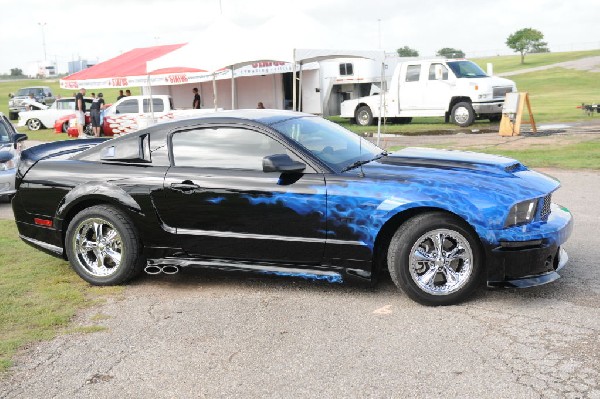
<point>441,262</point>
<point>34,124</point>
<point>364,116</point>
<point>461,115</point>
<point>98,247</point>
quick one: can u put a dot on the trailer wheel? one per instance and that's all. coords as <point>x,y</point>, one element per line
<point>364,116</point>
<point>463,114</point>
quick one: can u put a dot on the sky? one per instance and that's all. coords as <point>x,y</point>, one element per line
<point>97,30</point>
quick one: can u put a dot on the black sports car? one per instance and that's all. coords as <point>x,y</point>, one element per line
<point>290,194</point>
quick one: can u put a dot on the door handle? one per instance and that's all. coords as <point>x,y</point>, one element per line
<point>186,186</point>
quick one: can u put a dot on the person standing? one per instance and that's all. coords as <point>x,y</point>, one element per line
<point>121,95</point>
<point>196,103</point>
<point>127,93</point>
<point>95,110</point>
<point>80,111</point>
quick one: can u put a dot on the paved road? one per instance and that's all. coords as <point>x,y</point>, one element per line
<point>591,64</point>
<point>200,334</point>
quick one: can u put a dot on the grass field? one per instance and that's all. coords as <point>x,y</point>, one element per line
<point>509,63</point>
<point>39,294</point>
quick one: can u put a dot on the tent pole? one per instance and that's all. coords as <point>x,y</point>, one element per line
<point>294,81</point>
<point>300,90</point>
<point>232,88</point>
<point>151,102</point>
<point>215,91</point>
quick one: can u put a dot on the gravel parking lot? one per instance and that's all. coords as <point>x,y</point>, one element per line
<point>207,334</point>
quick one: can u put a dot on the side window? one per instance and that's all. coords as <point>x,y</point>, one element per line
<point>412,73</point>
<point>157,104</point>
<point>128,107</point>
<point>346,69</point>
<point>225,148</point>
<point>443,68</point>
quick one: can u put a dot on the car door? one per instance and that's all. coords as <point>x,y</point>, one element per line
<point>439,88</point>
<point>221,204</point>
<point>410,91</point>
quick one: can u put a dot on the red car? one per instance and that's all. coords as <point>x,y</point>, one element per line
<point>72,129</point>
<point>61,125</point>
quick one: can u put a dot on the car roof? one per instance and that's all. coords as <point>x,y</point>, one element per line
<point>262,116</point>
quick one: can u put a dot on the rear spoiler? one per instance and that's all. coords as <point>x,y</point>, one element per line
<point>65,148</point>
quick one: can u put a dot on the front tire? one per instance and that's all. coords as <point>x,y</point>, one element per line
<point>463,114</point>
<point>364,116</point>
<point>65,127</point>
<point>34,124</point>
<point>103,246</point>
<point>435,259</point>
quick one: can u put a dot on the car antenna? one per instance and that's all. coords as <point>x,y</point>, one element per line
<point>360,139</point>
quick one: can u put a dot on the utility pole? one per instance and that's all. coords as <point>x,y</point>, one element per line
<point>42,24</point>
<point>379,31</point>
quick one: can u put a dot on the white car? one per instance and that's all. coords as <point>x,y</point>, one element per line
<point>10,154</point>
<point>45,117</point>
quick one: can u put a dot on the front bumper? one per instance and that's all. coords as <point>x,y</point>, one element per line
<point>494,107</point>
<point>530,255</point>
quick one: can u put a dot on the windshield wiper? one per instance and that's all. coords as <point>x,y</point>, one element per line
<point>364,161</point>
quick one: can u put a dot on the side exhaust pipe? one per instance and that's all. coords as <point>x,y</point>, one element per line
<point>167,269</point>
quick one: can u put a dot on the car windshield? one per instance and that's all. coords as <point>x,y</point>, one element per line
<point>337,147</point>
<point>25,92</point>
<point>466,69</point>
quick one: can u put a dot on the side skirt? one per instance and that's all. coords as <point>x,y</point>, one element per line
<point>330,274</point>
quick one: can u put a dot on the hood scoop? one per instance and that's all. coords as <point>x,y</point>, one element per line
<point>451,159</point>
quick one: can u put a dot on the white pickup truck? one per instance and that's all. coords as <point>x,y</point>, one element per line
<point>132,113</point>
<point>457,89</point>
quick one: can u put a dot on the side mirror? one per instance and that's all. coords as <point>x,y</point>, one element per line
<point>282,163</point>
<point>17,138</point>
<point>10,95</point>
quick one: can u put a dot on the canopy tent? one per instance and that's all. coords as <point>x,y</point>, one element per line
<point>129,70</point>
<point>225,45</point>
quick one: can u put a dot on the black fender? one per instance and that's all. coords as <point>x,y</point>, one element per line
<point>94,193</point>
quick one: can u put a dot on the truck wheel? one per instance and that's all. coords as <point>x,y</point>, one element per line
<point>34,124</point>
<point>364,116</point>
<point>495,117</point>
<point>435,259</point>
<point>463,114</point>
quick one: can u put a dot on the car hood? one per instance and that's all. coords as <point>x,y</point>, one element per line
<point>459,169</point>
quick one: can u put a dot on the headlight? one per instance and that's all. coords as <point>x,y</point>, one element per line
<point>521,213</point>
<point>8,165</point>
<point>11,103</point>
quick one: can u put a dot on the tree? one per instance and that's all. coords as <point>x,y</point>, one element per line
<point>16,72</point>
<point>407,52</point>
<point>527,40</point>
<point>449,52</point>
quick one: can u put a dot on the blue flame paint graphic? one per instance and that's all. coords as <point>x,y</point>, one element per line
<point>357,208</point>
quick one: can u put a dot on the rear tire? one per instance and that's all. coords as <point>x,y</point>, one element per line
<point>65,127</point>
<point>34,124</point>
<point>463,114</point>
<point>435,259</point>
<point>103,246</point>
<point>364,116</point>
